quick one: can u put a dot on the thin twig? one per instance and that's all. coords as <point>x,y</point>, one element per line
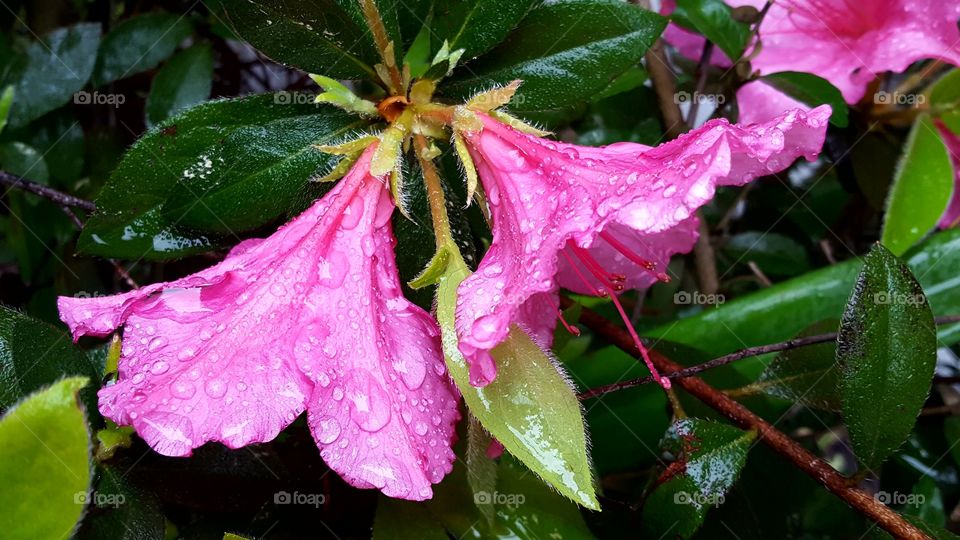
<point>703,69</point>
<point>813,466</point>
<point>58,197</point>
<point>733,357</point>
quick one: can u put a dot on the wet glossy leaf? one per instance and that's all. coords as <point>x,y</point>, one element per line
<point>475,25</point>
<point>219,168</point>
<point>887,350</point>
<point>812,90</point>
<point>712,19</point>
<point>807,375</point>
<point>922,185</point>
<point>775,254</point>
<point>139,44</point>
<point>121,510</point>
<point>712,455</point>
<point>778,313</point>
<point>601,40</point>
<point>318,37</point>
<point>34,354</point>
<point>529,407</point>
<point>44,463</point>
<point>181,83</point>
<point>47,72</point>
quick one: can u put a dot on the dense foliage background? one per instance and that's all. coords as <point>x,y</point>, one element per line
<point>93,93</point>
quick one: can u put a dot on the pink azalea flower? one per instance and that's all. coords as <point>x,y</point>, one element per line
<point>596,219</point>
<point>951,217</point>
<point>847,42</point>
<point>311,318</point>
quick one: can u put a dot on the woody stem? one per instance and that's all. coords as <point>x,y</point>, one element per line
<point>375,22</point>
<point>438,203</point>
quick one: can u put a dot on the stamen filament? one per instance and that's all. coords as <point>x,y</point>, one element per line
<point>570,328</point>
<point>629,253</point>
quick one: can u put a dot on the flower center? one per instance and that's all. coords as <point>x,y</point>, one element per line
<point>391,107</point>
<point>609,283</point>
<point>843,18</point>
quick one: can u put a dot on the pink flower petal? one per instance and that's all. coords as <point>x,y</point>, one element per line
<point>310,318</point>
<point>951,217</point>
<point>760,102</point>
<point>543,194</point>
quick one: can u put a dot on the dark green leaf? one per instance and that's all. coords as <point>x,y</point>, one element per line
<point>476,25</point>
<point>806,375</point>
<point>184,81</point>
<point>599,40</point>
<point>712,19</point>
<point>24,160</point>
<point>59,138</point>
<point>44,464</point>
<point>775,254</point>
<point>34,354</point>
<point>887,350</point>
<point>46,73</point>
<point>224,166</point>
<point>123,510</point>
<point>811,90</point>
<point>922,185</point>
<point>317,37</point>
<point>712,455</point>
<point>139,44</point>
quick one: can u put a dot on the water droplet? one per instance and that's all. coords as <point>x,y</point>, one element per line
<point>160,368</point>
<point>156,343</point>
<point>329,430</point>
<point>215,388</point>
<point>183,389</point>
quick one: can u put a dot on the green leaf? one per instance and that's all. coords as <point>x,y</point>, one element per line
<point>181,83</point>
<point>481,469</point>
<point>59,138</point>
<point>34,354</point>
<point>926,502</point>
<point>529,407</point>
<point>921,190</point>
<point>122,510</point>
<point>944,96</point>
<point>887,350</point>
<point>811,90</point>
<point>775,254</point>
<point>24,160</point>
<point>318,36</point>
<point>47,72</point>
<point>476,25</point>
<point>712,19</point>
<point>139,44</point>
<point>600,39</point>
<point>806,375</point>
<point>712,455</point>
<point>6,99</point>
<point>44,463</point>
<point>224,166</point>
<point>778,313</point>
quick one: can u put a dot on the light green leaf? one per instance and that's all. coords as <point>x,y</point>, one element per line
<point>44,464</point>
<point>921,190</point>
<point>530,407</point>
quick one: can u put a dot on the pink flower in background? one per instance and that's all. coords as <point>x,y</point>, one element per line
<point>596,219</point>
<point>311,318</point>
<point>847,42</point>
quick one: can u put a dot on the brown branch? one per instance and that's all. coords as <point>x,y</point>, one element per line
<point>661,76</point>
<point>740,355</point>
<point>812,465</point>
<point>58,197</point>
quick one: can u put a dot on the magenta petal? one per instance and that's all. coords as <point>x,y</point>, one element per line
<point>543,194</point>
<point>310,318</point>
<point>951,217</point>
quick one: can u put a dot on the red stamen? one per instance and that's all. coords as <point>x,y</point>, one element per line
<point>570,328</point>
<point>614,280</point>
<point>630,254</point>
<point>590,263</point>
